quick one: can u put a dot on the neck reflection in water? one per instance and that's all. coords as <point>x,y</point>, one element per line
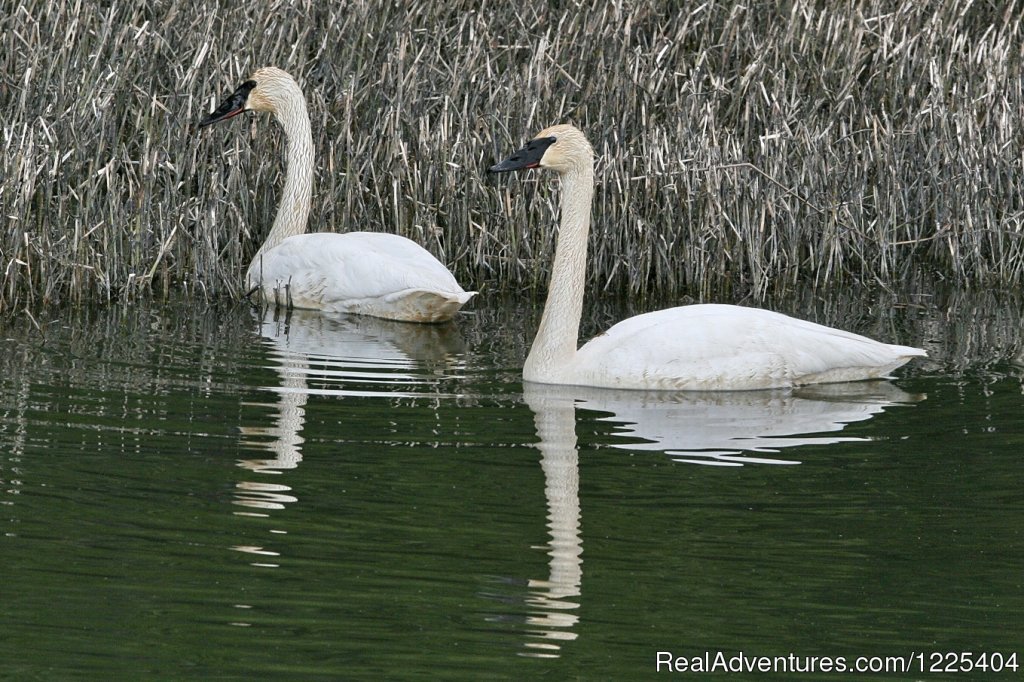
<point>697,428</point>
<point>336,356</point>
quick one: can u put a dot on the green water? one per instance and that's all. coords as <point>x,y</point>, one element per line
<point>191,491</point>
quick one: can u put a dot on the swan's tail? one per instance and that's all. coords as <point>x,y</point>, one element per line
<point>907,351</point>
<point>418,305</point>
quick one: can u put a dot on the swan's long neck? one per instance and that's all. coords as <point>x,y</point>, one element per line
<point>293,209</point>
<point>554,347</point>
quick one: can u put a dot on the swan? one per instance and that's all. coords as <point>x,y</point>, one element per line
<point>367,273</point>
<point>708,347</point>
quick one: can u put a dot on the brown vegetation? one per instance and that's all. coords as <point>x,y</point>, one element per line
<point>745,148</point>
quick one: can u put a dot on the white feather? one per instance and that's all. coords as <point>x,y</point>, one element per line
<point>368,273</point>
<point>725,347</point>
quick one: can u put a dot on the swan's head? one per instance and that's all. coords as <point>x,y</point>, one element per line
<point>562,148</point>
<point>267,89</point>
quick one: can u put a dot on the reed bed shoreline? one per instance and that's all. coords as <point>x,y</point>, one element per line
<point>745,149</point>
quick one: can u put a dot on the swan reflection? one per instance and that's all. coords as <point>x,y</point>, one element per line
<point>701,428</point>
<point>722,428</point>
<point>339,356</point>
<point>554,600</point>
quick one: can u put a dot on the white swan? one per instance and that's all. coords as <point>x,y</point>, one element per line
<point>367,273</point>
<point>698,347</point>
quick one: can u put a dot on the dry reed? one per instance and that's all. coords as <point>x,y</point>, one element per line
<point>745,148</point>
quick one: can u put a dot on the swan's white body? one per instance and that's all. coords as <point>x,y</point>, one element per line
<point>724,347</point>
<point>366,273</point>
<point>699,347</point>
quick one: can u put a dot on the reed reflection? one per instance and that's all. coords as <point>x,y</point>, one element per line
<point>700,428</point>
<point>335,356</point>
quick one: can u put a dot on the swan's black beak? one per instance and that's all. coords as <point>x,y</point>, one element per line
<point>233,104</point>
<point>527,157</point>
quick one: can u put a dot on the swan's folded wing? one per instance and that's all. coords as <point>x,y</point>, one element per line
<point>711,347</point>
<point>354,266</point>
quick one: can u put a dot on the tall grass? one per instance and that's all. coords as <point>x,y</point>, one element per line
<point>745,148</point>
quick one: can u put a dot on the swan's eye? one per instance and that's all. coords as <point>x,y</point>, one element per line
<point>535,149</point>
<point>527,157</point>
<point>541,143</point>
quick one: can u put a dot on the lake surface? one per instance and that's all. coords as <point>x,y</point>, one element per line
<point>202,490</point>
